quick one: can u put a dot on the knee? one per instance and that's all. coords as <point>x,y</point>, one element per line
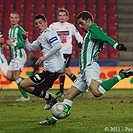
<point>72,93</point>
<point>9,78</point>
<point>22,85</point>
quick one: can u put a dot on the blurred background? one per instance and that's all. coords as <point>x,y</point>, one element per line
<point>114,16</point>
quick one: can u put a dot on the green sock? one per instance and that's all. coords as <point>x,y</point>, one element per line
<point>52,119</point>
<point>131,81</point>
<point>122,75</point>
<point>24,93</point>
<point>108,84</point>
<point>67,109</point>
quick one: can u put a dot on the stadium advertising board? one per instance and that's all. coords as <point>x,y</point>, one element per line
<point>106,72</point>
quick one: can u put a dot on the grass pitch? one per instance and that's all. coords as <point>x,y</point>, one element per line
<point>113,112</point>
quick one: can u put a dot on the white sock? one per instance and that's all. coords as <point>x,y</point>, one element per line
<point>68,102</point>
<point>101,89</point>
<point>119,78</point>
<point>18,80</point>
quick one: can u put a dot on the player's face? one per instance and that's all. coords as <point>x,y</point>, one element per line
<point>84,24</point>
<point>40,25</point>
<point>14,19</point>
<point>62,17</point>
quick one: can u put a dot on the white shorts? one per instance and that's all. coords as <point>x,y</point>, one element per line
<point>3,64</point>
<point>84,79</point>
<point>4,68</point>
<point>17,64</point>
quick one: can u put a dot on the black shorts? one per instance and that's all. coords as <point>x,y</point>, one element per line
<point>44,79</point>
<point>67,59</point>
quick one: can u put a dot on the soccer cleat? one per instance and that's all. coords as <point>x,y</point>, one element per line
<point>127,72</point>
<point>68,113</point>
<point>22,99</point>
<point>47,122</point>
<point>50,103</point>
<point>59,94</point>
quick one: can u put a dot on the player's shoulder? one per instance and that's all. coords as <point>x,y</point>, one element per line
<point>20,27</point>
<point>95,27</point>
<point>70,24</point>
<point>48,31</point>
<point>54,24</point>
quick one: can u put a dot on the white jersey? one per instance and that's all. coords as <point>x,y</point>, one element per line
<point>65,31</point>
<point>50,46</point>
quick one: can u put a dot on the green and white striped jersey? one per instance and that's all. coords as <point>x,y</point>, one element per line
<point>93,43</point>
<point>2,58</point>
<point>1,52</point>
<point>15,34</point>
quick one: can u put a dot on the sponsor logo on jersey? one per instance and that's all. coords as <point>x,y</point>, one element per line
<point>60,33</point>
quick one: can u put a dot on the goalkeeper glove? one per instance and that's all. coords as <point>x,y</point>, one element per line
<point>121,47</point>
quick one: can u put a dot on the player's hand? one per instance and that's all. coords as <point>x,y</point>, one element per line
<point>9,42</point>
<point>2,41</point>
<point>4,46</point>
<point>121,47</point>
<point>40,60</point>
<point>80,45</point>
<point>25,35</point>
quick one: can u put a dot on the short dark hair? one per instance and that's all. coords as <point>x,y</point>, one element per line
<point>40,16</point>
<point>85,15</point>
<point>14,12</point>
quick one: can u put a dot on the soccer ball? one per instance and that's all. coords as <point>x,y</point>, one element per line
<point>58,110</point>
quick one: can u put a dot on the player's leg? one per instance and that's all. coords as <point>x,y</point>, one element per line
<point>68,72</point>
<point>39,91</point>
<point>16,76</point>
<point>16,66</point>
<point>108,84</point>
<point>68,101</point>
<point>67,69</point>
<point>38,84</point>
<point>77,88</point>
<point>60,93</point>
<point>3,65</point>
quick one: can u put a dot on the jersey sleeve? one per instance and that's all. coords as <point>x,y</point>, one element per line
<point>52,38</point>
<point>77,35</point>
<point>32,46</point>
<point>98,34</point>
<point>51,27</point>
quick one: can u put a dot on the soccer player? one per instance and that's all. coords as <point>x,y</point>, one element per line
<point>89,69</point>
<point>3,61</point>
<point>65,31</point>
<point>16,46</point>
<point>52,59</point>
